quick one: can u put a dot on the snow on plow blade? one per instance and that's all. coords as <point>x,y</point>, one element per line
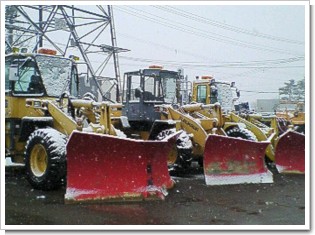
<point>230,160</point>
<point>290,153</point>
<point>104,167</point>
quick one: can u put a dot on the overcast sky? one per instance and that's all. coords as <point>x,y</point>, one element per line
<point>258,46</point>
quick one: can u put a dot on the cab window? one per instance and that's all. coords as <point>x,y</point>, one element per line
<point>29,80</point>
<point>74,82</point>
<point>7,74</point>
<point>151,88</point>
<point>133,90</point>
<point>22,85</point>
<point>201,94</point>
<point>169,87</point>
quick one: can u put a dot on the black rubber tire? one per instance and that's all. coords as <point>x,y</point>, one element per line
<point>271,166</point>
<point>241,133</point>
<point>300,129</point>
<point>53,143</point>
<point>184,156</point>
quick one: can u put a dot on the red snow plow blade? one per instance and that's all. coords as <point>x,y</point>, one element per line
<point>104,167</point>
<point>230,160</point>
<point>290,153</point>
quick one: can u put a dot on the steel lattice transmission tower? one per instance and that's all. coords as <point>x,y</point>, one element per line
<point>87,32</point>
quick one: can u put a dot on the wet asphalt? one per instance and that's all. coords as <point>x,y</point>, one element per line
<point>190,202</point>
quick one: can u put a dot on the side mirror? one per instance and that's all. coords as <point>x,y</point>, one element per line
<point>14,72</point>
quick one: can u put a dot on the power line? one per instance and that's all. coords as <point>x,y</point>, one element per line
<point>201,33</point>
<point>144,62</point>
<point>298,58</point>
<point>208,21</point>
<point>236,64</point>
<point>261,92</point>
<point>180,51</point>
<point>223,65</point>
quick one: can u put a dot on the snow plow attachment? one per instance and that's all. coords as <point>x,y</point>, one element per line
<point>105,167</point>
<point>290,153</point>
<point>230,160</point>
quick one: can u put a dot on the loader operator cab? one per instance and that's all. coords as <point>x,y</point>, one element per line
<point>41,75</point>
<point>207,90</point>
<point>144,89</point>
<point>31,75</point>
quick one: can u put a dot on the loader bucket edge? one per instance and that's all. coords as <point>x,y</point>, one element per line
<point>105,167</point>
<point>290,153</point>
<point>229,160</point>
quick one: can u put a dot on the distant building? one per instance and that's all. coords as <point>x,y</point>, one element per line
<point>270,105</point>
<point>267,105</point>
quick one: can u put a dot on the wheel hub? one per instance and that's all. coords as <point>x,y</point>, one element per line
<point>39,160</point>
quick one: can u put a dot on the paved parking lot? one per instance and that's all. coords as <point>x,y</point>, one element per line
<point>190,202</point>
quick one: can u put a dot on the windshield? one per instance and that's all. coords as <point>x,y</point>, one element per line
<point>202,94</point>
<point>55,72</point>
<point>151,85</point>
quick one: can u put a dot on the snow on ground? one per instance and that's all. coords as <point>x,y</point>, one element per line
<point>8,162</point>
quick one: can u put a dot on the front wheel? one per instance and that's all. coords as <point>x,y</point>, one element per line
<point>45,159</point>
<point>241,133</point>
<point>181,156</point>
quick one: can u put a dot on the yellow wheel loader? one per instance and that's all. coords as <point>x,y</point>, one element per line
<point>287,148</point>
<point>150,105</point>
<point>226,160</point>
<point>295,117</point>
<point>59,136</point>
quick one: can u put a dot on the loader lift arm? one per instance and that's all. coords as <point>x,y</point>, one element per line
<point>199,126</point>
<point>66,124</point>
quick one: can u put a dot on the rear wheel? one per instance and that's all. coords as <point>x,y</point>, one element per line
<point>241,133</point>
<point>45,159</point>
